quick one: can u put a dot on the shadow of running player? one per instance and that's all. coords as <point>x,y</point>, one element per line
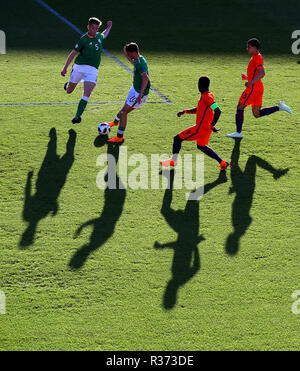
<point>50,181</point>
<point>186,260</point>
<point>243,185</point>
<point>104,225</point>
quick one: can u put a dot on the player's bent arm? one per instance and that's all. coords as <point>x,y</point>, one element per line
<point>217,114</point>
<point>106,32</point>
<point>69,60</point>
<point>260,75</point>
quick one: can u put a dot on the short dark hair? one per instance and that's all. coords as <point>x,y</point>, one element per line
<point>203,82</point>
<point>132,47</point>
<point>94,20</point>
<point>254,42</point>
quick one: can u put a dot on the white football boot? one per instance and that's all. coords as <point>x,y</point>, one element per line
<point>283,107</point>
<point>235,135</point>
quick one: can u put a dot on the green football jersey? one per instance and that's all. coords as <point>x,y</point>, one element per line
<point>90,49</point>
<point>140,66</point>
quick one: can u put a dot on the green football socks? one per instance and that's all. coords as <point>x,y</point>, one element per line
<point>117,119</point>
<point>81,106</point>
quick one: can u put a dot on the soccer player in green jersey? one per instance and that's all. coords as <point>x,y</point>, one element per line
<point>138,93</point>
<point>87,62</point>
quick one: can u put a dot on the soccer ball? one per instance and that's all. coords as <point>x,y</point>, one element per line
<point>103,128</point>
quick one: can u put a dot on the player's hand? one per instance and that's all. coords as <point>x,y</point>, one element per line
<point>248,84</point>
<point>215,130</point>
<point>180,113</point>
<point>244,77</point>
<point>63,72</point>
<point>109,23</point>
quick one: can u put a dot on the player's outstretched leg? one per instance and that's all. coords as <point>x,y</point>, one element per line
<point>260,112</point>
<point>176,149</point>
<point>257,112</point>
<point>211,153</point>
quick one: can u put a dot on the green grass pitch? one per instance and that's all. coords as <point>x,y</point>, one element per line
<point>89,269</point>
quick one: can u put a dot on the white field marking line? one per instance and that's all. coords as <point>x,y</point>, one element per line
<point>66,104</point>
<point>115,59</point>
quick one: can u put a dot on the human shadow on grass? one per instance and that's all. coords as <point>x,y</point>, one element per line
<point>186,259</point>
<point>50,181</point>
<point>104,225</point>
<point>243,185</point>
<point>101,140</point>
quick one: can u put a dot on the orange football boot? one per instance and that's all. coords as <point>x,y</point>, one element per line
<point>112,123</point>
<point>116,140</point>
<point>169,162</point>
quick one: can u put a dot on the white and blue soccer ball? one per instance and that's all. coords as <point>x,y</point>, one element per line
<point>103,128</point>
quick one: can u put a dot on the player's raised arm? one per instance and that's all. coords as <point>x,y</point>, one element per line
<point>106,32</point>
<point>69,60</point>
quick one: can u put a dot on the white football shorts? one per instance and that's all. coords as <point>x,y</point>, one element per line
<point>132,97</point>
<point>83,72</point>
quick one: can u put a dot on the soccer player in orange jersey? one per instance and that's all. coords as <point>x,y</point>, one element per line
<point>207,114</point>
<point>254,91</point>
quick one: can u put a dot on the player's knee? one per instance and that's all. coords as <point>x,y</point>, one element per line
<point>256,114</point>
